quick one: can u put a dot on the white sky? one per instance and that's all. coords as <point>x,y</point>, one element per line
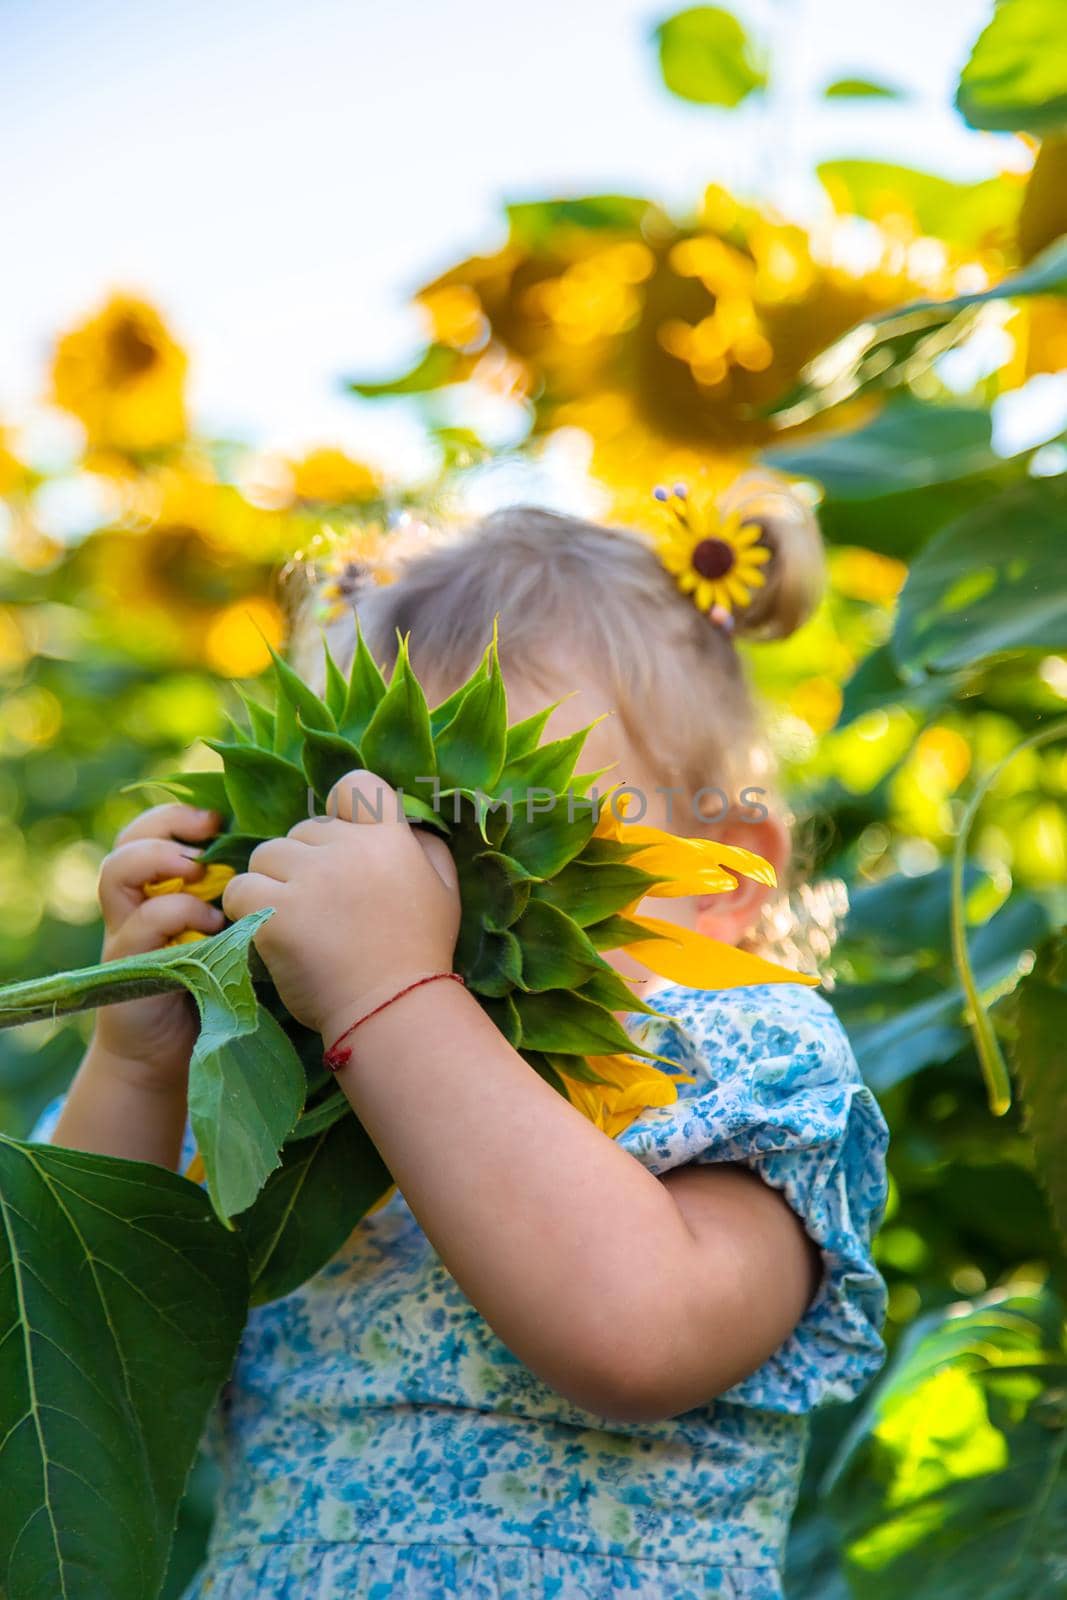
<point>278,175</point>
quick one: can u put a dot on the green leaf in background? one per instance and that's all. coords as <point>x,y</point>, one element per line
<point>889,351</point>
<point>439,364</point>
<point>706,56</point>
<point>877,685</point>
<point>861,89</point>
<point>892,482</point>
<point>908,445</point>
<point>952,1482</point>
<point>310,1205</point>
<point>122,1300</point>
<point>966,213</point>
<point>1016,77</point>
<point>900,1026</point>
<point>1036,1042</point>
<point>536,224</point>
<point>995,581</point>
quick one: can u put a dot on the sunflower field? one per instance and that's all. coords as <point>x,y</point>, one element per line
<point>920,718</point>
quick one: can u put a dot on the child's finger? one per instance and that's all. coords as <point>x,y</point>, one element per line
<point>154,922</point>
<point>172,821</point>
<point>130,866</point>
<point>362,796</point>
<point>248,892</point>
<point>276,858</point>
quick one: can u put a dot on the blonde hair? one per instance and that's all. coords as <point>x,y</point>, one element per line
<point>598,596</point>
<point>675,678</point>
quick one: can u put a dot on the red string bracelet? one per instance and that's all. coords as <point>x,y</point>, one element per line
<point>336,1058</point>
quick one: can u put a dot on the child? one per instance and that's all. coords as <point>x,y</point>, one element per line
<point>554,1363</point>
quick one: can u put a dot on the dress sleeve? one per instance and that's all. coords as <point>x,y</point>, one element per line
<point>777,1089</point>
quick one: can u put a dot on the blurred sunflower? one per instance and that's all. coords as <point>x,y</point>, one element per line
<point>330,477</point>
<point>667,343</point>
<point>122,375</point>
<point>190,579</point>
<point>15,476</point>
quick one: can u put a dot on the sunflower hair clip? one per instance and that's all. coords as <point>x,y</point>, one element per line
<point>713,555</point>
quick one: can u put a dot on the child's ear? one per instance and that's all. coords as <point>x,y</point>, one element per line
<point>731,916</point>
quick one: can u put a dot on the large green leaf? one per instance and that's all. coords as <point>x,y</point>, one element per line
<point>955,1484</point>
<point>994,581</point>
<point>246,1081</point>
<point>122,1301</point>
<point>1017,75</point>
<point>706,56</point>
<point>246,1088</point>
<point>892,350</point>
<point>310,1205</point>
<point>908,445</point>
<point>899,1027</point>
<point>1036,1036</point>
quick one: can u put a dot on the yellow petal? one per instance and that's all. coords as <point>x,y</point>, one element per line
<point>631,1086</point>
<point>216,877</point>
<point>697,962</point>
<point>195,1170</point>
<point>683,855</point>
<point>190,936</point>
<point>705,594</point>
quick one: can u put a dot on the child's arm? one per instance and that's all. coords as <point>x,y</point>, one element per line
<point>129,1095</point>
<point>635,1297</point>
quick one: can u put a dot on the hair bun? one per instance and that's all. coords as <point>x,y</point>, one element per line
<point>796,572</point>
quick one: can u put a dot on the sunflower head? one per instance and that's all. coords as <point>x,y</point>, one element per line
<point>714,555</point>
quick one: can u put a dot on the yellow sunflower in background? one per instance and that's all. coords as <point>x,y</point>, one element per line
<point>715,556</point>
<point>189,578</point>
<point>330,477</point>
<point>123,376</point>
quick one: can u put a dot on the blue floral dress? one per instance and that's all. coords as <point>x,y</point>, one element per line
<point>378,1441</point>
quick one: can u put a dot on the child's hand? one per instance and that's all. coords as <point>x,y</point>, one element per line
<point>157,1033</point>
<point>362,908</point>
